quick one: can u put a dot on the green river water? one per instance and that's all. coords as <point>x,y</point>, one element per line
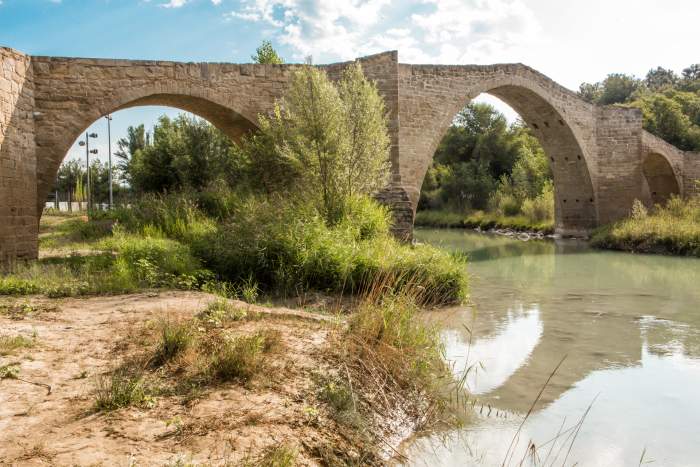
<point>629,326</point>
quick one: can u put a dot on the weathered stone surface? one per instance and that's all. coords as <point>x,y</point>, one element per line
<point>601,158</point>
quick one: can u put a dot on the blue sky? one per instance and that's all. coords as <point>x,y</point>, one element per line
<point>571,41</point>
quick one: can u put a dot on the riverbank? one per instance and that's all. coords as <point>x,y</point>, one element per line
<point>483,221</point>
<point>673,229</point>
<point>184,378</point>
<point>140,371</point>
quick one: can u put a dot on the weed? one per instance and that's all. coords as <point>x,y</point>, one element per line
<point>238,358</point>
<point>673,228</point>
<point>9,345</point>
<point>273,456</point>
<point>176,337</point>
<point>121,388</point>
<point>9,371</point>
<point>220,311</point>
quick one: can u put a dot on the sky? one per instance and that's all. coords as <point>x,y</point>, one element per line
<point>570,41</point>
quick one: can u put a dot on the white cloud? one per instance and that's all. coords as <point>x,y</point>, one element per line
<point>440,31</point>
<point>216,2</point>
<point>173,4</point>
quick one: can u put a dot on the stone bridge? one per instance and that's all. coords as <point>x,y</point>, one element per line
<point>601,158</point>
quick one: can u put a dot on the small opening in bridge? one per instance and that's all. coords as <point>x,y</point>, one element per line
<point>579,157</point>
<point>552,159</point>
<point>546,124</point>
<point>591,200</point>
<point>577,201</point>
<point>534,125</point>
<point>565,201</point>
<point>566,158</point>
<point>561,122</point>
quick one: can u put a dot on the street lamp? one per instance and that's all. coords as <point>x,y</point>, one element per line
<point>86,143</point>
<point>109,144</point>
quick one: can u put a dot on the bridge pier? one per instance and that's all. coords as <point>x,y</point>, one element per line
<point>19,221</point>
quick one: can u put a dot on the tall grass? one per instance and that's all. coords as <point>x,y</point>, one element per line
<point>283,246</point>
<point>673,229</point>
<point>485,221</point>
<point>389,361</point>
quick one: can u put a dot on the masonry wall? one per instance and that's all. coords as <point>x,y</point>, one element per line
<point>18,217</point>
<point>691,174</point>
<point>620,177</point>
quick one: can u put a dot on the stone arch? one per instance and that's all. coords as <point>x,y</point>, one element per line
<point>207,105</point>
<point>551,123</point>
<point>660,179</point>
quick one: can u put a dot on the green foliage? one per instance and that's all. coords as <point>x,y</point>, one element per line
<point>266,54</point>
<point>186,153</point>
<point>238,358</point>
<point>327,142</point>
<point>176,337</point>
<point>11,344</point>
<point>670,104</point>
<point>482,163</point>
<point>673,228</point>
<point>541,208</point>
<point>481,220</point>
<point>121,388</point>
<point>672,115</point>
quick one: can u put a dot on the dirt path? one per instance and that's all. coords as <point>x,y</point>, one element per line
<point>75,340</point>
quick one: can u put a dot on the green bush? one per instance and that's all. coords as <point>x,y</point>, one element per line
<point>673,228</point>
<point>286,247</point>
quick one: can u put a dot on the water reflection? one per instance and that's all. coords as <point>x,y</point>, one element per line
<point>490,360</point>
<point>629,325</point>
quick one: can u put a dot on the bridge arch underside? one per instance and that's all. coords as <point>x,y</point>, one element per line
<point>574,193</point>
<point>660,181</point>
<point>574,196</point>
<point>231,123</point>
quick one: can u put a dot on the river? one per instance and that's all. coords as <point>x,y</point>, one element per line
<point>627,328</point>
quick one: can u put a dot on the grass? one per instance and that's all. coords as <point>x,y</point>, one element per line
<point>121,388</point>
<point>482,220</point>
<point>388,361</point>
<point>9,345</point>
<point>176,337</point>
<point>273,456</point>
<point>257,245</point>
<point>670,229</point>
<point>275,245</point>
<point>240,358</point>
<point>184,359</point>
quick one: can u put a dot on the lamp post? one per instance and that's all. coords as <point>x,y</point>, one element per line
<point>109,145</point>
<point>86,143</point>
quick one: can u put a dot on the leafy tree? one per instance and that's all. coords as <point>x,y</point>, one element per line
<point>329,142</point>
<point>266,54</point>
<point>136,138</point>
<point>673,116</point>
<point>617,88</point>
<point>589,92</point>
<point>691,78</point>
<point>670,105</point>
<point>186,153</point>
<point>660,78</point>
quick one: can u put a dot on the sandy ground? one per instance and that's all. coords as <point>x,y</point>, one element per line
<point>79,339</point>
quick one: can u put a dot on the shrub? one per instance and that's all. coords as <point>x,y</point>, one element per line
<point>238,358</point>
<point>542,207</point>
<point>10,344</point>
<point>176,337</point>
<point>673,228</point>
<point>121,389</point>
